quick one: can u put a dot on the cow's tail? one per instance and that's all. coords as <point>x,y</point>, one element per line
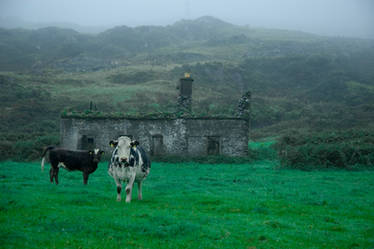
<point>43,156</point>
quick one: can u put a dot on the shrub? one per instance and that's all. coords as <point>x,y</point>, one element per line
<point>6,150</point>
<point>27,149</point>
<point>262,150</point>
<point>342,149</point>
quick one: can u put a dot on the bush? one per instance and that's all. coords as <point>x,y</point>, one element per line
<point>262,150</point>
<point>6,150</point>
<point>343,149</point>
<point>26,149</point>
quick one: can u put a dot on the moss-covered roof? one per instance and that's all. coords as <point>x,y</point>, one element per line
<point>158,115</point>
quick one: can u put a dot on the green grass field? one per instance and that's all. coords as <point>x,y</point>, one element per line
<point>189,206</point>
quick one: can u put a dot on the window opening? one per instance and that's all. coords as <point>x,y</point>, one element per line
<point>213,146</point>
<point>157,145</point>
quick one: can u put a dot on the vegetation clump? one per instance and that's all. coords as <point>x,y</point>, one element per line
<point>25,147</point>
<point>339,149</point>
<point>89,114</point>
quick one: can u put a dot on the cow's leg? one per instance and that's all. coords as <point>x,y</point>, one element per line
<point>140,197</point>
<point>119,188</point>
<point>129,186</point>
<point>85,177</point>
<point>55,174</point>
<point>51,175</point>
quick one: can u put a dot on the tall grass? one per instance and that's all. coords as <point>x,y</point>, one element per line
<point>188,205</point>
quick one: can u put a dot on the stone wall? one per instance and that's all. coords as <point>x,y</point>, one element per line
<point>230,134</point>
<point>187,136</point>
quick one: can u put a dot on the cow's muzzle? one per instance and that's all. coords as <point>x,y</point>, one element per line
<point>124,161</point>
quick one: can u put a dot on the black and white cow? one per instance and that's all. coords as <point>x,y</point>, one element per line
<point>129,163</point>
<point>82,160</point>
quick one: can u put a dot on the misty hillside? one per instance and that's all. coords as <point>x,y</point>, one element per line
<point>298,80</point>
<point>198,40</point>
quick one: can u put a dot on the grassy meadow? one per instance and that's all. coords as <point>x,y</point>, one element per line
<point>189,205</point>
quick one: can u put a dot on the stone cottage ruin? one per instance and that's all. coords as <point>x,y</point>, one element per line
<point>181,135</point>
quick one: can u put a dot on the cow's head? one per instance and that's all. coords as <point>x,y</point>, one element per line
<point>96,155</point>
<point>113,143</point>
<point>125,150</point>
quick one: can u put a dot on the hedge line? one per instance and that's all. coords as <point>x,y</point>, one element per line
<point>342,149</point>
<point>26,149</point>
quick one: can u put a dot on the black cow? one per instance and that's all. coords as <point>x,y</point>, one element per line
<point>82,160</point>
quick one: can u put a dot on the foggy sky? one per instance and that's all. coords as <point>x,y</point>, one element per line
<point>352,18</point>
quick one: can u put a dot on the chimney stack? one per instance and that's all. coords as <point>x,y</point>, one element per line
<point>185,94</point>
<point>244,106</point>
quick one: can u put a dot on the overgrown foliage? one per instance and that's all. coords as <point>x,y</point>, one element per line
<point>88,114</point>
<point>25,147</point>
<point>344,149</point>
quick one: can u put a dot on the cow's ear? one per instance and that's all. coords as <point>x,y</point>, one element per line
<point>134,143</point>
<point>101,152</point>
<point>113,143</point>
<point>90,152</point>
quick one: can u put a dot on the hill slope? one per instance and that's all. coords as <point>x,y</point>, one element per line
<point>297,80</point>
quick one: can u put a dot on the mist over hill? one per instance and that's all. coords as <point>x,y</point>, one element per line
<point>18,23</point>
<point>298,80</point>
<point>205,38</point>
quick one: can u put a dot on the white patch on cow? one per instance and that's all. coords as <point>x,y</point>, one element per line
<point>96,151</point>
<point>140,157</point>
<point>62,165</point>
<point>124,147</point>
<point>42,164</point>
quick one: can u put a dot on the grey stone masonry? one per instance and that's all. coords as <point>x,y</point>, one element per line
<point>244,106</point>
<point>181,136</point>
<point>184,101</point>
